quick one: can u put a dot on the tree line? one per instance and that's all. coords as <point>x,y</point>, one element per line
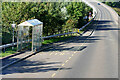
<point>56,16</point>
<point>113,4</point>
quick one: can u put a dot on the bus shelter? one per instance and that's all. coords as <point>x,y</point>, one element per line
<point>34,27</point>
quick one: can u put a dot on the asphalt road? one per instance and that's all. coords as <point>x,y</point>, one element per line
<point>87,56</point>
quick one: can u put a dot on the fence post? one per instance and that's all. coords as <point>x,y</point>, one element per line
<point>68,32</point>
<point>64,32</point>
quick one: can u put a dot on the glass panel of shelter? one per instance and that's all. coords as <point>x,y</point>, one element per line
<point>36,42</point>
<point>41,30</point>
<point>20,31</point>
<point>23,37</point>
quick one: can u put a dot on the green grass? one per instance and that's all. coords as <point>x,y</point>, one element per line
<point>8,51</point>
<point>52,40</point>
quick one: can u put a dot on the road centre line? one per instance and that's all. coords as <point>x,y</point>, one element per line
<point>66,61</point>
<point>53,74</point>
<point>51,53</point>
<point>72,54</point>
<point>63,64</point>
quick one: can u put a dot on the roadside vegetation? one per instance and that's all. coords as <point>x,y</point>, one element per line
<point>57,17</point>
<point>114,5</point>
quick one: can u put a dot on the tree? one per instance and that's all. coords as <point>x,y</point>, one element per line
<point>50,13</point>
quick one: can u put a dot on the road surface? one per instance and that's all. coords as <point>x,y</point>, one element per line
<point>89,56</point>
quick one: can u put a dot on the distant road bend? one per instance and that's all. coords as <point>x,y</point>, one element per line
<point>87,56</point>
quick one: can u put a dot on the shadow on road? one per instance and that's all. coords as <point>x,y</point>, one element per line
<point>106,25</point>
<point>80,39</point>
<point>27,66</point>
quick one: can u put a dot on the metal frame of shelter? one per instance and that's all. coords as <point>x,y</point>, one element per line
<point>24,40</point>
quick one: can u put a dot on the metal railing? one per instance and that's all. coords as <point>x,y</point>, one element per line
<point>13,44</point>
